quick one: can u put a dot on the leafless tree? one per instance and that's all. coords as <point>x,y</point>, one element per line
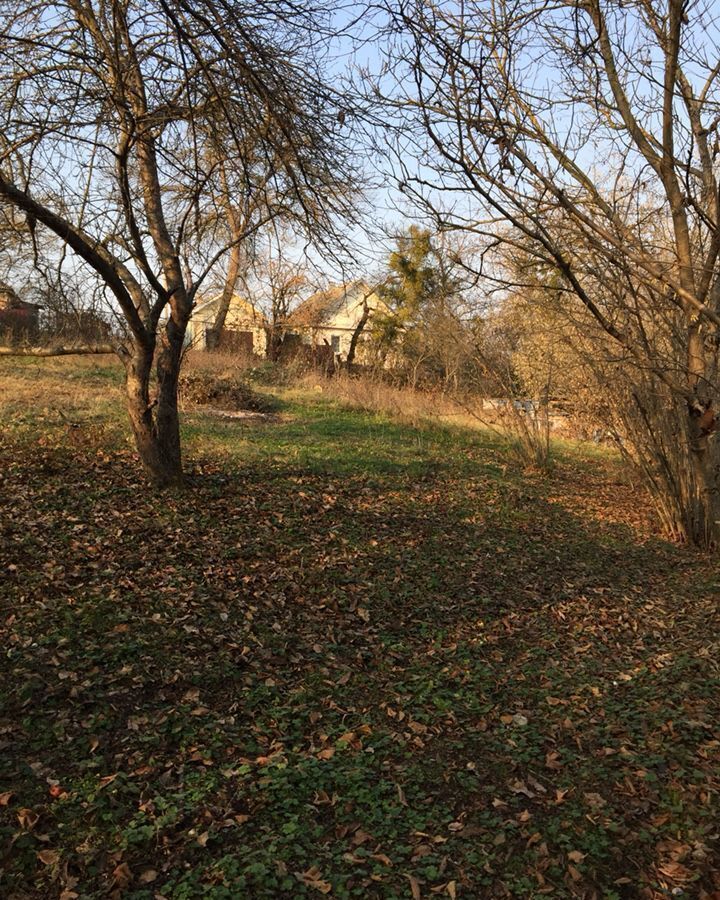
<point>586,133</point>
<point>111,115</point>
<point>275,281</point>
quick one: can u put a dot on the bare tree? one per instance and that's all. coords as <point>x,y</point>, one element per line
<point>107,112</point>
<point>275,281</point>
<point>602,163</point>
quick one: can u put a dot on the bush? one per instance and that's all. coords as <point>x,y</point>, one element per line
<point>225,390</point>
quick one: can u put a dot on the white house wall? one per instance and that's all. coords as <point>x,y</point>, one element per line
<point>342,324</point>
<point>237,319</point>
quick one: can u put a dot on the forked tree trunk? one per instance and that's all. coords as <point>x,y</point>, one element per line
<point>154,420</point>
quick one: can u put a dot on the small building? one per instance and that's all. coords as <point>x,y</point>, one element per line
<point>19,320</point>
<point>244,331</point>
<point>331,317</point>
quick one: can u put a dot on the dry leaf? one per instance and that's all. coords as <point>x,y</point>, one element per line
<point>552,760</point>
<point>311,877</point>
<point>122,875</point>
<point>27,819</point>
<point>414,887</point>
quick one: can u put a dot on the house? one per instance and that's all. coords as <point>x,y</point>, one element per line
<point>244,330</point>
<point>330,318</point>
<point>19,320</point>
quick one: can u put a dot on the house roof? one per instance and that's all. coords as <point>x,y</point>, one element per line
<point>239,305</point>
<point>10,299</point>
<point>323,305</point>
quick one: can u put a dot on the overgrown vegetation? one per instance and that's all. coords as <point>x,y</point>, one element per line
<point>227,390</point>
<point>353,658</point>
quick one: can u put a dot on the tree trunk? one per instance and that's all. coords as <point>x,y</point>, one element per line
<point>359,328</point>
<point>702,513</point>
<point>212,335</point>
<point>156,424</point>
<point>273,342</point>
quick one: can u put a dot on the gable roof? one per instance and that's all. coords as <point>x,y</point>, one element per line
<point>241,307</point>
<point>321,306</point>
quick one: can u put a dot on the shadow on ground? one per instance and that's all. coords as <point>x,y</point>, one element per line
<point>358,659</point>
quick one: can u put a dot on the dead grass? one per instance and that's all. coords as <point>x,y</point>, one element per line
<point>404,404</point>
<point>61,388</point>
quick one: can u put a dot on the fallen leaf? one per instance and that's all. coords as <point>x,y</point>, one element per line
<point>552,760</point>
<point>27,819</point>
<point>122,875</point>
<point>312,878</point>
<point>414,887</point>
<point>360,837</point>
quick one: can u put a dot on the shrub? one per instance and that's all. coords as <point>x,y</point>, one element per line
<point>224,390</point>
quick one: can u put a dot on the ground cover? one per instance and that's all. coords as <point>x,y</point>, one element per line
<point>352,658</point>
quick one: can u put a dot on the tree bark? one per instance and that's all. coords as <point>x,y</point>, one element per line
<point>212,335</point>
<point>155,423</point>
<point>359,328</point>
<point>702,502</point>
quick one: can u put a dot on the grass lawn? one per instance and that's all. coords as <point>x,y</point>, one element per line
<point>352,658</point>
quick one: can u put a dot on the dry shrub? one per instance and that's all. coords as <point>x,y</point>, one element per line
<point>373,394</point>
<point>222,390</point>
<point>221,362</point>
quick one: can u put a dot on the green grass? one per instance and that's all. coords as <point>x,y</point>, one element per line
<point>351,657</point>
